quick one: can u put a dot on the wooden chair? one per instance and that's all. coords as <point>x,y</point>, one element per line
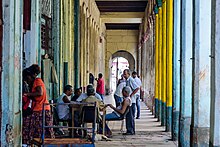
<point>121,118</point>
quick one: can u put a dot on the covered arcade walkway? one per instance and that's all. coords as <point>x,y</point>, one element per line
<point>149,131</point>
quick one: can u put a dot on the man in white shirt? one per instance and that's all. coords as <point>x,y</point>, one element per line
<point>138,105</point>
<point>134,88</point>
<point>118,93</point>
<point>64,110</point>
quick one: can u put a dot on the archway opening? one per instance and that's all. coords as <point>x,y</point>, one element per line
<point>119,64</point>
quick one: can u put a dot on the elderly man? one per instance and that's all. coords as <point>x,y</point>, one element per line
<point>134,88</point>
<point>85,95</point>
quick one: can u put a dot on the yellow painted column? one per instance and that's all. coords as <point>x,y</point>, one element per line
<point>169,64</point>
<point>160,63</point>
<point>156,64</point>
<point>164,71</point>
<point>61,45</point>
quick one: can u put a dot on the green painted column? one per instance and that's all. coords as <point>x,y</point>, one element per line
<point>76,43</point>
<point>56,42</point>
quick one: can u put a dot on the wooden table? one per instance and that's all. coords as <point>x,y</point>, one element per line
<point>75,106</point>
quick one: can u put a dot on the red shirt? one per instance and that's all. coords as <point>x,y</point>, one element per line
<point>40,100</point>
<point>100,86</point>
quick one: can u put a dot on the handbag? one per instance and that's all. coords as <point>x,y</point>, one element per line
<point>26,108</point>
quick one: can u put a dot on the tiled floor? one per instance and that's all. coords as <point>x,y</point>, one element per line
<point>148,132</point>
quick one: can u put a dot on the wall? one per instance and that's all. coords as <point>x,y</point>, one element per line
<point>117,40</point>
<point>92,41</point>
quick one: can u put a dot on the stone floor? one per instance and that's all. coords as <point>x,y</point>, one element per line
<point>148,132</point>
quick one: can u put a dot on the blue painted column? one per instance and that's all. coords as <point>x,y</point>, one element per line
<point>12,71</point>
<point>176,71</point>
<point>76,43</point>
<point>201,73</point>
<point>186,73</point>
<point>215,76</point>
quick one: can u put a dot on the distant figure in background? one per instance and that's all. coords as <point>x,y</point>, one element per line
<point>118,92</point>
<point>138,101</point>
<point>77,93</point>
<point>91,79</point>
<point>100,89</point>
<point>121,80</point>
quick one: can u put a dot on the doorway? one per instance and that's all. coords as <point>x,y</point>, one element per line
<point>119,64</point>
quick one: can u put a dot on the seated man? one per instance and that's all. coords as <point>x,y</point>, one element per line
<point>120,110</point>
<point>85,95</point>
<point>77,94</point>
<point>64,110</point>
<point>92,98</point>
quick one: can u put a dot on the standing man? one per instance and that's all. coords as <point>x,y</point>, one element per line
<point>134,89</point>
<point>100,89</point>
<point>137,95</point>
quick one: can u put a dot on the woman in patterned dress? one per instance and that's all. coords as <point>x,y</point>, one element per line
<point>38,93</point>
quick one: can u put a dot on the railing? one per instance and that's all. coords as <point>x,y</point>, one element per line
<point>69,127</point>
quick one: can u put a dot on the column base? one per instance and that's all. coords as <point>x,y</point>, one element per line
<point>168,119</point>
<point>159,110</point>
<point>175,126</point>
<point>212,145</point>
<point>200,136</point>
<point>156,108</point>
<point>163,114</point>
<point>184,133</point>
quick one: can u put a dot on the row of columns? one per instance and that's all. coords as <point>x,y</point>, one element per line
<point>188,93</point>
<point>163,63</point>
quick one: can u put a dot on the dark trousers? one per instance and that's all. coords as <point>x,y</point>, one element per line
<point>130,125</point>
<point>133,106</point>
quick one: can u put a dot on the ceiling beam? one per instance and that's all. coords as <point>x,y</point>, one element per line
<point>122,0</point>
<point>122,15</point>
<point>121,20</point>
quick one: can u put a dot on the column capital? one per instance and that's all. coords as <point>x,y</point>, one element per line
<point>155,9</point>
<point>159,3</point>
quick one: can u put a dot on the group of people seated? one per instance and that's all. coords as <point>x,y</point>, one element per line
<point>91,96</point>
<point>34,97</point>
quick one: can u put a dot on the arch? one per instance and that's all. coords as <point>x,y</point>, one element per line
<point>126,55</point>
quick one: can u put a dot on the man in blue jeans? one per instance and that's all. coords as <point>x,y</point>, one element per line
<point>134,89</point>
<point>137,95</point>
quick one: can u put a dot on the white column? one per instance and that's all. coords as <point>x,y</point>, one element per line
<point>186,72</point>
<point>201,73</point>
<point>215,76</point>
